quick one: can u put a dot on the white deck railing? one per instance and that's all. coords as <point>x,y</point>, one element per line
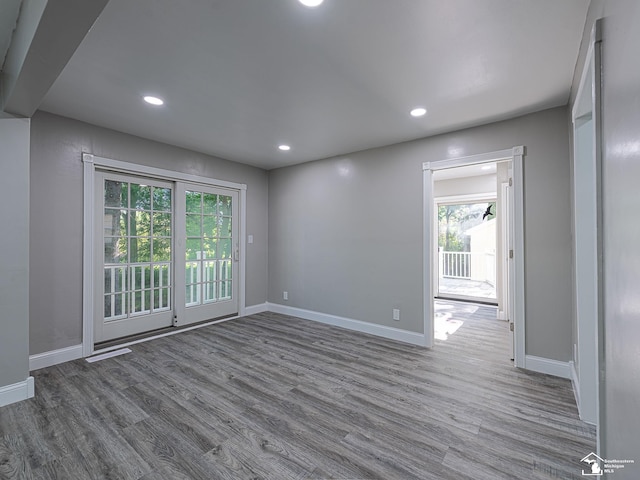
<point>455,264</point>
<point>467,265</point>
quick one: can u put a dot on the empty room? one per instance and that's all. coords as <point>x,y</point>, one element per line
<point>313,239</point>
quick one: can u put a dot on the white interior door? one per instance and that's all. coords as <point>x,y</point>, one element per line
<point>208,248</point>
<point>134,255</point>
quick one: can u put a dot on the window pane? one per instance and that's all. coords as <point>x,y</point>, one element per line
<point>161,249</point>
<point>165,298</point>
<point>140,250</point>
<point>114,279</point>
<point>115,306</point>
<point>193,294</point>
<point>115,250</point>
<point>225,291</point>
<point>165,275</point>
<point>209,292</point>
<point>225,227</point>
<point>194,202</point>
<point>192,272</point>
<point>122,304</point>
<point>224,248</point>
<point>160,298</point>
<point>224,203</point>
<point>194,249</point>
<point>194,229</point>
<point>161,275</point>
<point>115,222</point>
<point>210,246</point>
<point>107,279</point>
<point>209,271</point>
<point>210,204</point>
<point>121,279</point>
<point>140,301</point>
<point>140,224</point>
<point>162,199</point>
<point>210,225</point>
<point>161,224</point>
<point>225,270</point>
<point>115,194</point>
<point>140,197</point>
<point>140,277</point>
<point>107,306</point>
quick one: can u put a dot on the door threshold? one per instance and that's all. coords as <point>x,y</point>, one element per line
<point>476,301</point>
<point>159,333</point>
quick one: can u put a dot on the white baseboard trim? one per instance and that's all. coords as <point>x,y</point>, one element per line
<point>254,309</point>
<point>54,357</point>
<point>16,392</point>
<point>548,366</point>
<point>575,383</point>
<point>351,324</point>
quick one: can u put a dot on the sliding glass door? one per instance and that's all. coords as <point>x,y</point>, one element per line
<point>166,254</point>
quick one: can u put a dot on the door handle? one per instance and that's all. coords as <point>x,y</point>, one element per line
<point>236,255</point>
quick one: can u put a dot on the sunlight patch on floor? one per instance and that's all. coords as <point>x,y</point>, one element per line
<point>444,324</point>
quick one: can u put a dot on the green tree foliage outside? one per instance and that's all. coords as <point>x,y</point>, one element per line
<point>454,220</point>
<point>137,229</point>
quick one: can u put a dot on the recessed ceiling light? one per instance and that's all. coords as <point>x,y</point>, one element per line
<point>311,3</point>
<point>153,100</point>
<point>284,148</point>
<point>418,112</point>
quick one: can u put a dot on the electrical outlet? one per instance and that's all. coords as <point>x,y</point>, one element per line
<point>285,295</point>
<point>396,314</point>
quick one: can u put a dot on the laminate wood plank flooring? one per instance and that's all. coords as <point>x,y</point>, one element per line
<point>275,397</point>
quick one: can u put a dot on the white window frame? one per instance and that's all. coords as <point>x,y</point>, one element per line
<point>516,155</point>
<point>90,164</point>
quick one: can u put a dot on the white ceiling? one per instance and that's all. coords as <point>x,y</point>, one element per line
<point>9,11</point>
<point>240,77</point>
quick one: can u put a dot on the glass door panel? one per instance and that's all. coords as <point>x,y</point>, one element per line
<point>210,239</point>
<point>467,251</point>
<point>135,255</point>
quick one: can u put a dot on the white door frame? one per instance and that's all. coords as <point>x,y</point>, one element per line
<point>516,155</point>
<point>90,163</point>
<point>587,235</point>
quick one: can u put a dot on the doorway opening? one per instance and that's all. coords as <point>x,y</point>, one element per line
<point>474,249</point>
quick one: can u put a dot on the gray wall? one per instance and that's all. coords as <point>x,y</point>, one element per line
<point>345,234</point>
<point>14,251</point>
<point>56,216</point>
<point>620,428</point>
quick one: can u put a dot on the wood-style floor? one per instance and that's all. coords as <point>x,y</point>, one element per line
<point>275,397</point>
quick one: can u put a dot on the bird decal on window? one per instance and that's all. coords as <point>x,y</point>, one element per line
<point>487,212</point>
